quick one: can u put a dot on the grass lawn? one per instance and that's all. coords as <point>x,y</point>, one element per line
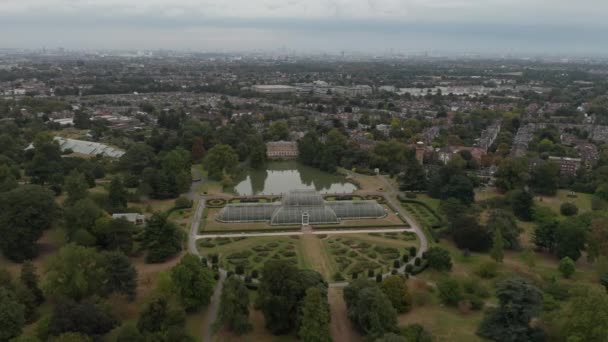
<point>445,324</point>
<point>360,253</point>
<point>253,252</point>
<point>181,217</point>
<point>49,244</point>
<point>366,183</point>
<point>581,200</point>
<point>482,194</point>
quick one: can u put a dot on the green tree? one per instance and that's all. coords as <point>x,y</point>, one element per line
<point>519,302</point>
<point>76,186</point>
<point>545,178</point>
<point>439,259</point>
<point>128,332</point>
<point>29,279</point>
<point>278,130</point>
<point>137,158</point>
<point>395,289</point>
<point>158,317</point>
<point>81,215</point>
<point>221,159</point>
<point>46,165</point>
<point>546,228</point>
<point>83,317</point>
<point>522,203</point>
<point>570,238</point>
<point>498,246</point>
<point>505,222</point>
<point>416,333</point>
<point>25,213</point>
<point>114,234</point>
<point>459,187</point>
<point>511,174</point>
<point>566,267</point>
<point>72,337</point>
<point>234,307</point>
<point>12,316</point>
<point>568,209</point>
<point>162,238</point>
<point>75,272</point>
<point>193,282</point>
<point>280,291</point>
<point>413,177</point>
<point>585,318</point>
<point>449,291</point>
<point>597,239</point>
<point>121,275</point>
<point>468,233</point>
<point>314,326</point>
<point>369,309</point>
<point>117,195</point>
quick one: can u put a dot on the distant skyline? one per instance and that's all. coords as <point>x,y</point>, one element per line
<point>575,28</point>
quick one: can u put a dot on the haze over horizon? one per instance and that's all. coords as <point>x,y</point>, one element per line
<point>408,26</point>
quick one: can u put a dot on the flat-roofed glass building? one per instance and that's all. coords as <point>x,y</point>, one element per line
<point>301,207</point>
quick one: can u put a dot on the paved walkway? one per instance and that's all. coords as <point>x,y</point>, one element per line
<point>214,304</point>
<point>300,232</point>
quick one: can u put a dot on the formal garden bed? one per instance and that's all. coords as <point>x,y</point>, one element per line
<point>247,255</point>
<point>368,255</point>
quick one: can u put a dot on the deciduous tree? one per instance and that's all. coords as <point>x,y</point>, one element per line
<point>395,289</point>
<point>314,326</point>
<point>234,307</point>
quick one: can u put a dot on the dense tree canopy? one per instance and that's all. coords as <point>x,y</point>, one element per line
<point>234,307</point>
<point>162,238</point>
<point>369,309</point>
<point>193,282</point>
<point>25,213</point>
<point>519,302</point>
<point>280,293</point>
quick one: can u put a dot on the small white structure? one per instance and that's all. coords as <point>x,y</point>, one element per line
<point>134,218</point>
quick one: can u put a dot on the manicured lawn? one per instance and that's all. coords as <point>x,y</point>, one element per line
<point>360,253</point>
<point>445,324</point>
<point>366,183</point>
<point>581,200</point>
<point>252,253</point>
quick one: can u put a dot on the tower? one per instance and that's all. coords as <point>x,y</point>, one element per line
<point>420,152</point>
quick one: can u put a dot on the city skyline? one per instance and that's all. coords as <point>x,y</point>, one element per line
<point>492,27</point>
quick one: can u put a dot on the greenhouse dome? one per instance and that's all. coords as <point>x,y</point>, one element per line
<point>301,207</point>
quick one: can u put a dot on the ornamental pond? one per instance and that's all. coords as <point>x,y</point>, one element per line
<point>279,177</point>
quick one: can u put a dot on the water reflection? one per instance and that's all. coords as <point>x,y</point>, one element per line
<point>280,177</point>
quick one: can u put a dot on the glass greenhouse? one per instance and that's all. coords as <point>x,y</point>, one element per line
<point>301,207</point>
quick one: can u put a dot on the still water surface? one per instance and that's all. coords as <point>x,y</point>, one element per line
<point>280,177</point>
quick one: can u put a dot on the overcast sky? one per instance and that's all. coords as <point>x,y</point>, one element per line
<point>576,27</point>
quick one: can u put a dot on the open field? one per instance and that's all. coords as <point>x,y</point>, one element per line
<point>581,200</point>
<point>360,253</point>
<point>445,324</point>
<point>366,183</point>
<point>252,253</point>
